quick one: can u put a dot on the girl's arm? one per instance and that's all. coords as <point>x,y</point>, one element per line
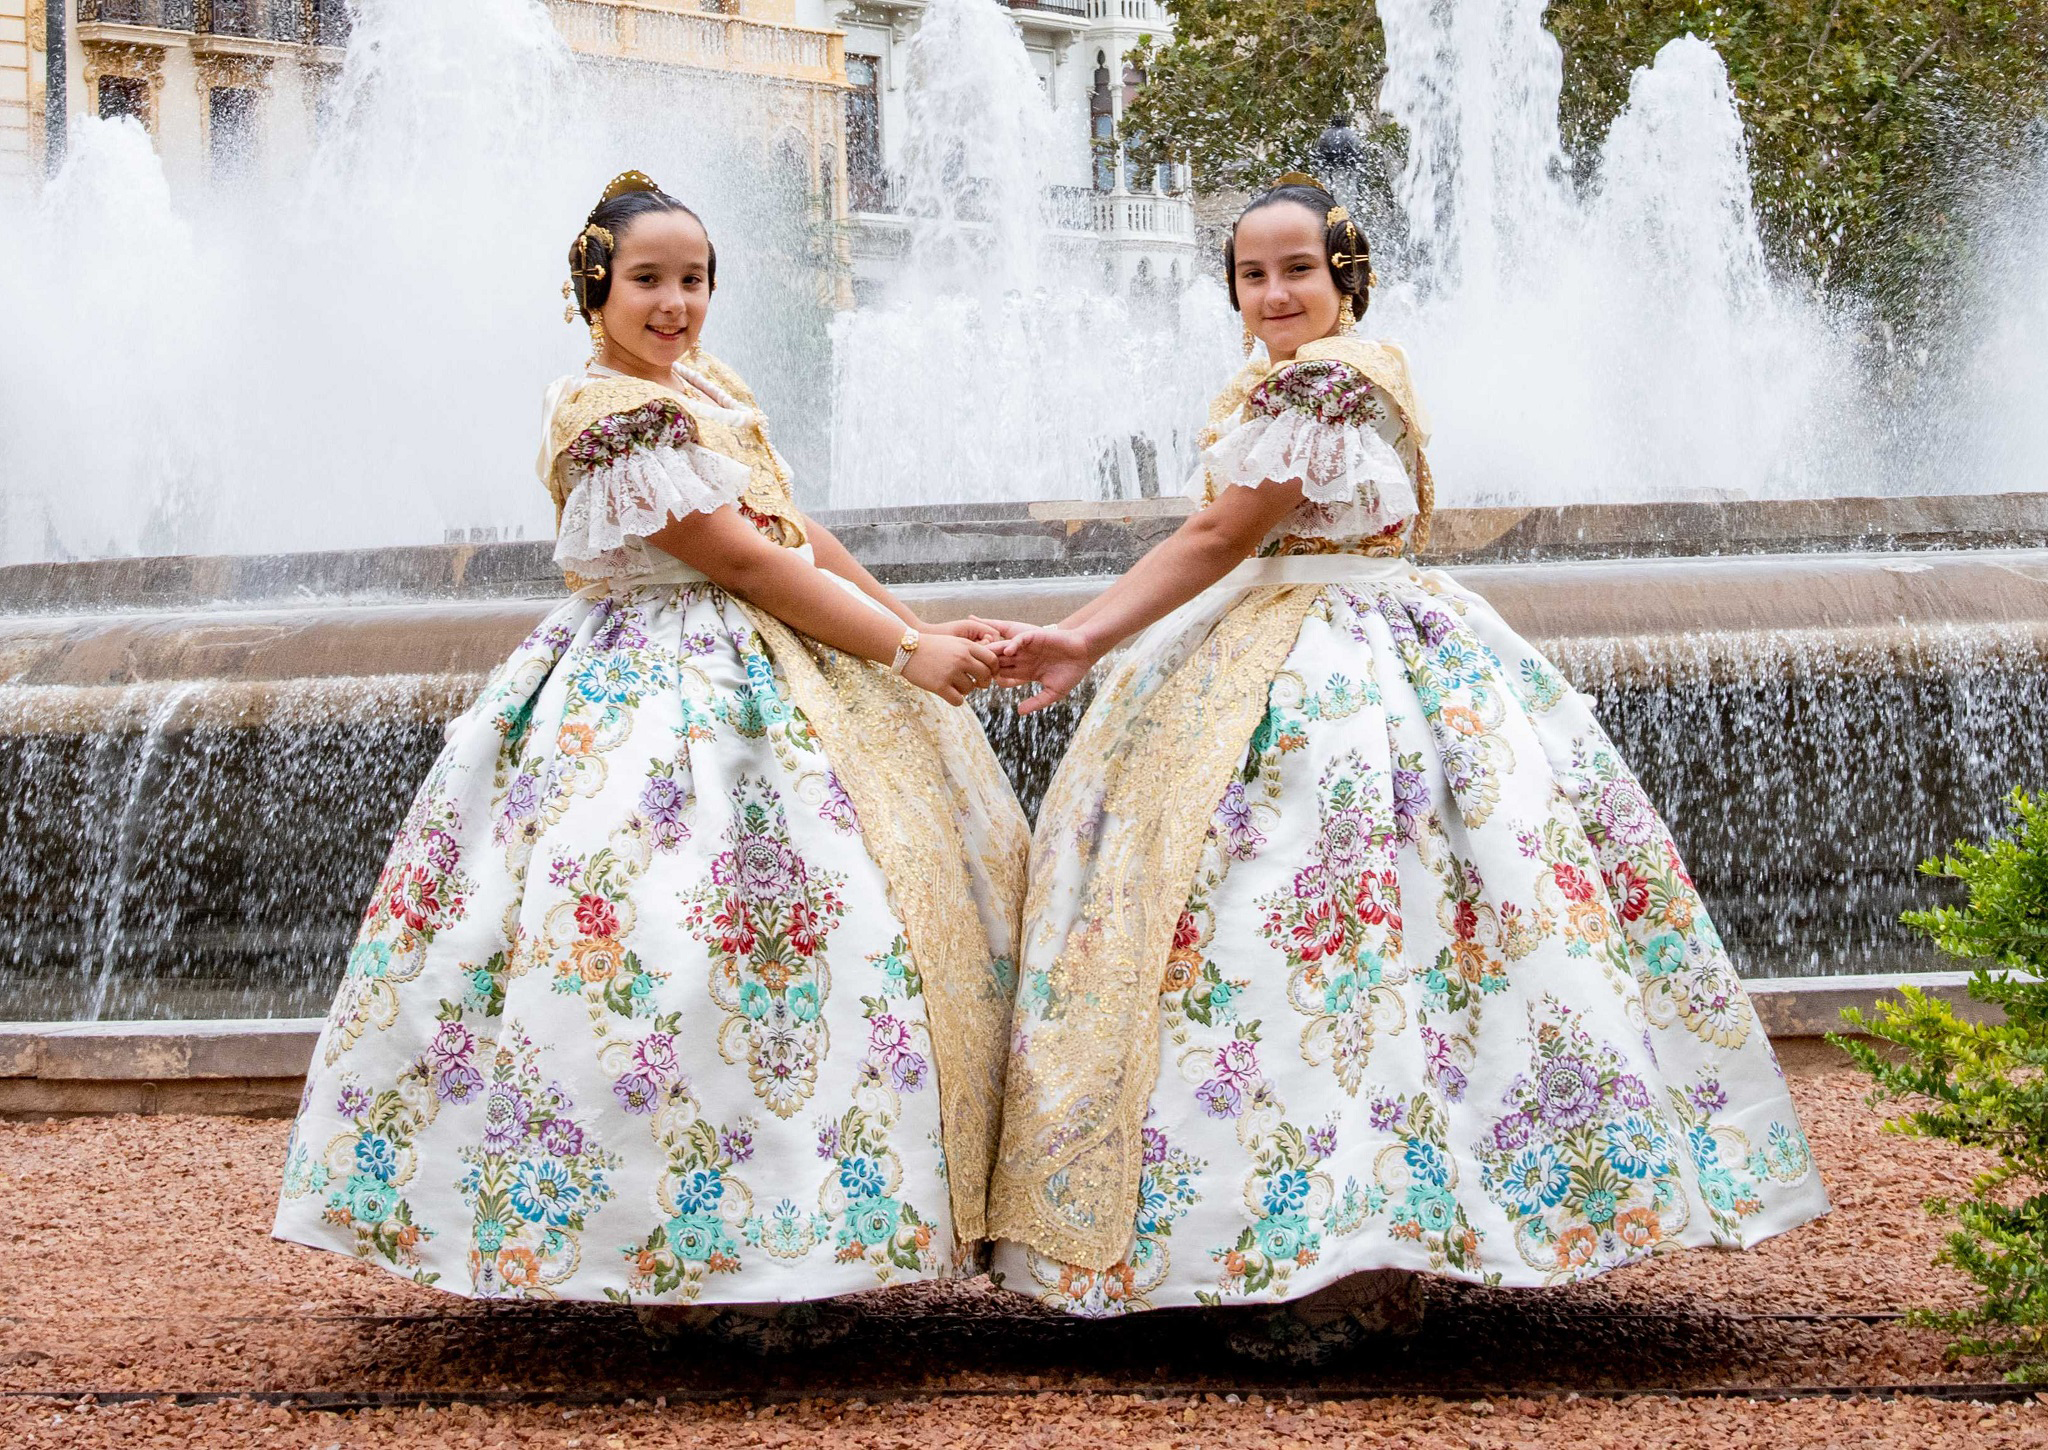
<point>733,555</point>
<point>1209,545</point>
<point>836,557</point>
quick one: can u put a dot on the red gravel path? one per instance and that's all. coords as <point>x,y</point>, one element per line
<point>138,1258</point>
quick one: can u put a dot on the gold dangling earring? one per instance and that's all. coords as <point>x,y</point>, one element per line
<point>1345,316</point>
<point>1250,338</point>
<point>596,338</point>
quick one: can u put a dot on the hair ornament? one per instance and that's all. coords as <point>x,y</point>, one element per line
<point>1334,215</point>
<point>624,184</point>
<point>1296,178</point>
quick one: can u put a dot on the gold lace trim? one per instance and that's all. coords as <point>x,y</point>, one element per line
<point>1386,367</point>
<point>891,744</point>
<point>1154,767</point>
<point>768,493</point>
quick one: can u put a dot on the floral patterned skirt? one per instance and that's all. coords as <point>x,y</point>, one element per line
<point>1443,997</point>
<point>631,1015</point>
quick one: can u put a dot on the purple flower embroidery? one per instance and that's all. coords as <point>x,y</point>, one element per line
<point>1385,1114</point>
<point>837,807</point>
<point>1450,1081</point>
<point>760,866</point>
<point>1630,1092</point>
<point>439,848</point>
<point>1237,1061</point>
<point>561,1138</point>
<point>637,1092</point>
<point>1311,883</point>
<point>506,1115</point>
<point>737,1144</point>
<point>452,1044</point>
<point>353,1102</point>
<point>888,1037</point>
<point>1511,1132</point>
<point>1155,1145</point>
<point>828,1140</point>
<point>1322,1139</point>
<point>1241,839</point>
<point>521,797</point>
<point>1219,1099</point>
<point>1708,1096</point>
<point>656,1055</point>
<point>564,871</point>
<point>909,1071</point>
<point>663,802</point>
<point>1626,813</point>
<point>458,1083</point>
<point>1568,1092</point>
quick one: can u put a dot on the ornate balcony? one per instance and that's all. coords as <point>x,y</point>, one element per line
<point>668,33</point>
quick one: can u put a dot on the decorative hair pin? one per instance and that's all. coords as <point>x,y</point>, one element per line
<point>624,184</point>
<point>1296,178</point>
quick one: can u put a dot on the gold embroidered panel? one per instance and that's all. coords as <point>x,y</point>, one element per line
<point>1118,843</point>
<point>938,816</point>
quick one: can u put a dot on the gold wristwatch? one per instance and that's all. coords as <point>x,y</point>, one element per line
<point>904,651</point>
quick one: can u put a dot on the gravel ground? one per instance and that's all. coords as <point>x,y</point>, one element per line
<point>139,1259</point>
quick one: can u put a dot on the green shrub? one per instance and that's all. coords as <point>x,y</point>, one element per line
<point>1983,1085</point>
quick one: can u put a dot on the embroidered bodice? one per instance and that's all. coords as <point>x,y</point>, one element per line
<point>1341,419</point>
<point>624,457</point>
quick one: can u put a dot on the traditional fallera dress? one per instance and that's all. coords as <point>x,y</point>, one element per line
<point>688,975</point>
<point>1351,942</point>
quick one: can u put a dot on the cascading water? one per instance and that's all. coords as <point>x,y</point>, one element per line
<point>1624,340</point>
<point>998,364</point>
<point>353,354</point>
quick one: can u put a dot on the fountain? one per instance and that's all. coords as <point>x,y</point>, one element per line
<point>1657,460</point>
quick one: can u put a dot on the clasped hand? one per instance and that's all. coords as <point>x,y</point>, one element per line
<point>1052,658</point>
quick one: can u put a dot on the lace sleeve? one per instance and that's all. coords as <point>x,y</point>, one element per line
<point>630,475</point>
<point>1321,423</point>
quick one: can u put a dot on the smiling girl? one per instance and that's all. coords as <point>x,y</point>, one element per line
<point>686,980</point>
<point>1353,950</point>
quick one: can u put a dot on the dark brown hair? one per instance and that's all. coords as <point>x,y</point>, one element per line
<point>1342,238</point>
<point>590,258</point>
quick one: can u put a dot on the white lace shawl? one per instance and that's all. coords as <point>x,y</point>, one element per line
<point>1353,483</point>
<point>613,507</point>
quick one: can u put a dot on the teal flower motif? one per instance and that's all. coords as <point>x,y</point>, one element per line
<point>370,959</point>
<point>874,1220</point>
<point>490,1235</point>
<point>1282,1236</point>
<point>542,1191</point>
<point>1427,1163</point>
<point>1430,1205</point>
<point>1286,1190</point>
<point>862,1177</point>
<point>1340,992</point>
<point>1665,954</point>
<point>376,1157</point>
<point>803,1001</point>
<point>1599,1207</point>
<point>1717,1186</point>
<point>699,1190</point>
<point>754,1000</point>
<point>1636,1147</point>
<point>1537,1179</point>
<point>695,1237</point>
<point>368,1200</point>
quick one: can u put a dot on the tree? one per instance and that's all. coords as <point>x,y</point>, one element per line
<point>1868,120</point>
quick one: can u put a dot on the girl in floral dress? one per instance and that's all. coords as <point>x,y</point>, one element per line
<point>1352,945</point>
<point>687,978</point>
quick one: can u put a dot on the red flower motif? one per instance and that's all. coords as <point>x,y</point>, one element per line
<point>1465,921</point>
<point>1320,933</point>
<point>804,936</point>
<point>416,898</point>
<point>1378,899</point>
<point>1572,881</point>
<point>1630,891</point>
<point>596,917</point>
<point>734,928</point>
<point>1185,933</point>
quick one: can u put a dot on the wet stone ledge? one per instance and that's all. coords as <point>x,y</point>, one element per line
<point>1036,540</point>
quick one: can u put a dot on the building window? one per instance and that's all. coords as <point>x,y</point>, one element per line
<point>231,131</point>
<point>330,22</point>
<point>233,17</point>
<point>124,96</point>
<point>866,182</point>
<point>1102,125</point>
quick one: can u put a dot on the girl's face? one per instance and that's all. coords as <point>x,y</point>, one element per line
<point>661,289</point>
<point>1284,287</point>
